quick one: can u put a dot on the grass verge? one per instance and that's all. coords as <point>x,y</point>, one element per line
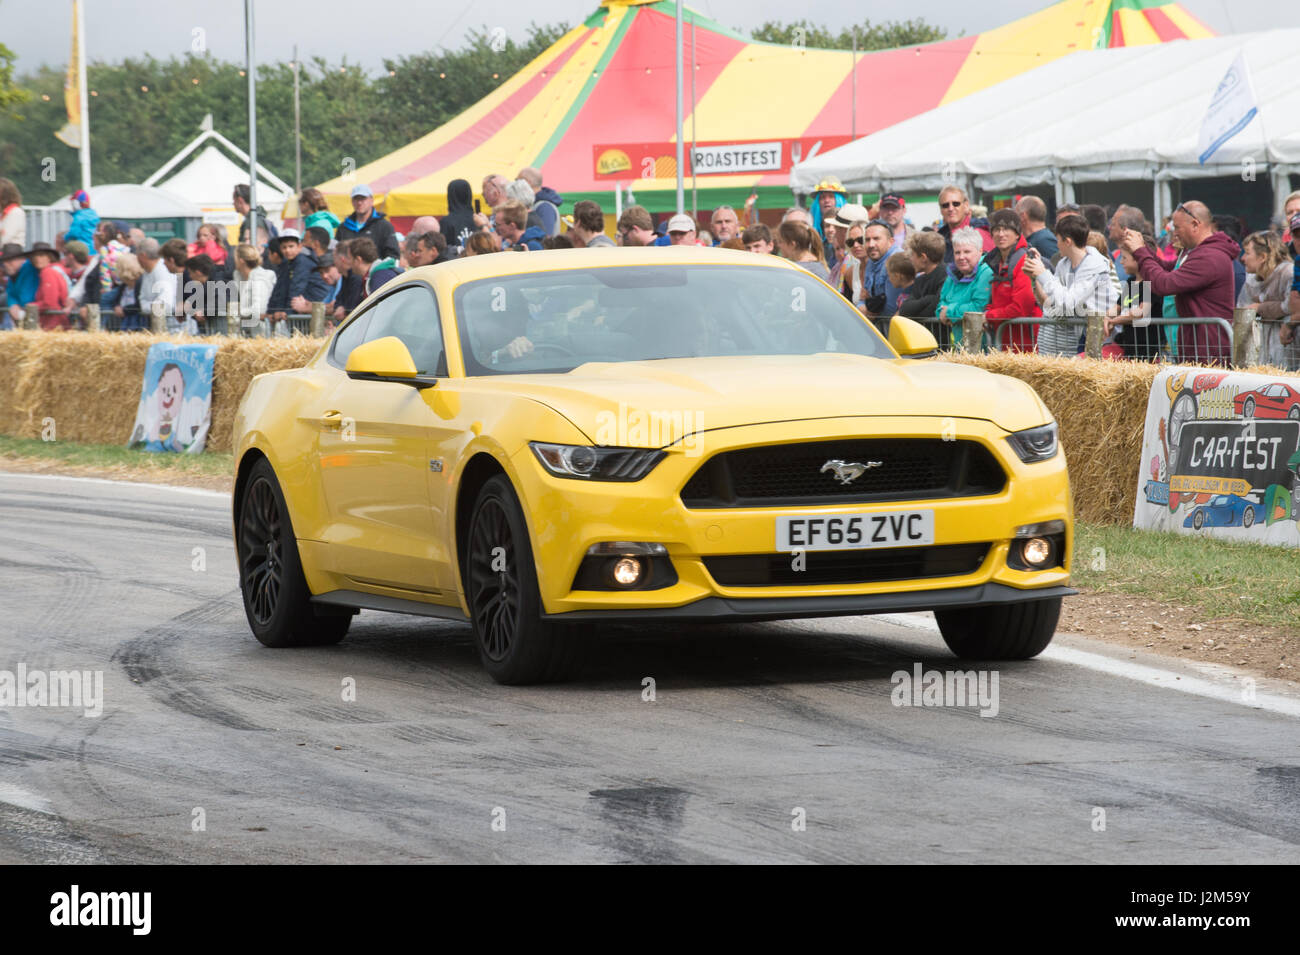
<point>1223,580</point>
<point>210,470</point>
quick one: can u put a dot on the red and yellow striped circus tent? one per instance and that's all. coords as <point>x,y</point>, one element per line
<point>597,108</point>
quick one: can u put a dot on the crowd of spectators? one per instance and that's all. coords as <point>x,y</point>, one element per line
<point>1011,265</point>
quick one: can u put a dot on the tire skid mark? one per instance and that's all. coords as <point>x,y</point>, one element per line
<point>342,713</point>
<point>152,515</point>
<point>427,733</point>
<point>1076,780</point>
<point>150,661</point>
<point>69,592</point>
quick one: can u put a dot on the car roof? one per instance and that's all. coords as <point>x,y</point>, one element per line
<point>497,264</point>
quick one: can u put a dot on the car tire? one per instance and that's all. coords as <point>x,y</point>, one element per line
<point>1198,519</point>
<point>1016,631</point>
<point>277,600</point>
<point>1248,409</point>
<point>1293,413</point>
<point>515,644</point>
<point>1248,517</point>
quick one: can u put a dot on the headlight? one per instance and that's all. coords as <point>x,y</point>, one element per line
<point>596,464</point>
<point>1035,444</point>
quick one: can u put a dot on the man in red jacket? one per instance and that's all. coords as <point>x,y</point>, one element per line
<point>1202,286</point>
<point>1012,290</point>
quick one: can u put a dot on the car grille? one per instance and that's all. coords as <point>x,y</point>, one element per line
<point>791,475</point>
<point>846,566</point>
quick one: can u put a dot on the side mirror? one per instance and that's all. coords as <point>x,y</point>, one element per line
<point>386,359</point>
<point>910,339</point>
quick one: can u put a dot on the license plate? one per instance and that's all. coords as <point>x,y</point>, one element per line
<point>855,531</point>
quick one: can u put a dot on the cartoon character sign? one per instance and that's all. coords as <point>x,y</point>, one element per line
<point>1221,456</point>
<point>176,400</point>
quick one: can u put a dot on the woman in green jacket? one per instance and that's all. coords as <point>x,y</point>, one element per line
<point>315,211</point>
<point>970,281</point>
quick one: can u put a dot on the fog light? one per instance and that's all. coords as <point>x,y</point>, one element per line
<point>1037,551</point>
<point>626,571</point>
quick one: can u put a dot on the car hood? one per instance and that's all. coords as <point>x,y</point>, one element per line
<point>713,393</point>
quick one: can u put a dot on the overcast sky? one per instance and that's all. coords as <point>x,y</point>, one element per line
<point>39,32</point>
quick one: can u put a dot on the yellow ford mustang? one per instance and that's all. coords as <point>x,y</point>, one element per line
<point>546,441</point>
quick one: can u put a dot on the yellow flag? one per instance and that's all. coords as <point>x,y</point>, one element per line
<point>71,133</point>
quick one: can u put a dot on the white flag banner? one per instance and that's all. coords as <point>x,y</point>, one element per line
<point>1231,110</point>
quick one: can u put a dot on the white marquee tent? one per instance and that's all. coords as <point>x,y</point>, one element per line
<point>1128,113</point>
<point>208,180</point>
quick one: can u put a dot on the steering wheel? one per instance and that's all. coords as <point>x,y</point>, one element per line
<point>539,346</point>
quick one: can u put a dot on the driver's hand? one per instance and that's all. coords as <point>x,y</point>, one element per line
<point>520,347</point>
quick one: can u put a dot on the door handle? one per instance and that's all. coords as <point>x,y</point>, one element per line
<point>332,420</point>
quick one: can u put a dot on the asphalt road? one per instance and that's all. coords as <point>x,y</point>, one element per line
<point>749,725</point>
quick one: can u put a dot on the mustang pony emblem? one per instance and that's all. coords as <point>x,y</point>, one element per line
<point>847,472</point>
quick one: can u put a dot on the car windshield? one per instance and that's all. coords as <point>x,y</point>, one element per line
<point>556,321</point>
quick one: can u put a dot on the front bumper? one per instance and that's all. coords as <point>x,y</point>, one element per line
<point>716,609</point>
<point>567,516</point>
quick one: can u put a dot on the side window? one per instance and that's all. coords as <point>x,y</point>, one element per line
<point>351,336</point>
<point>411,314</point>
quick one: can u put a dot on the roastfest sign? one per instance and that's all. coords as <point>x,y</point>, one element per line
<point>1220,456</point>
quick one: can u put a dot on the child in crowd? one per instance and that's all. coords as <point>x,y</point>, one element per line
<point>901,274</point>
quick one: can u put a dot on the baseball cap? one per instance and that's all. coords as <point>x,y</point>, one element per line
<point>80,196</point>
<point>850,213</point>
<point>326,261</point>
<point>290,234</point>
<point>892,199</point>
<point>362,190</point>
<point>681,223</point>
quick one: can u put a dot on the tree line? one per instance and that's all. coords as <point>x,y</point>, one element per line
<point>143,110</point>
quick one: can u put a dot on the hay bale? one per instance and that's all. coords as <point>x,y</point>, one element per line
<point>1101,407</point>
<point>13,345</point>
<point>239,361</point>
<point>90,383</point>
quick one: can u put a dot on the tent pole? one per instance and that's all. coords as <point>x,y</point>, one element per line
<point>82,102</point>
<point>252,123</point>
<point>677,56</point>
<point>297,127</point>
<point>694,210</point>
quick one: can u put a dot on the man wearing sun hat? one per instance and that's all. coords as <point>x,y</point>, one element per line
<point>366,220</point>
<point>20,288</point>
<point>837,227</point>
<point>85,220</point>
<point>51,295</point>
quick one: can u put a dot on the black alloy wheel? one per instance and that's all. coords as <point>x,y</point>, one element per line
<point>260,565</point>
<point>277,600</point>
<point>516,644</point>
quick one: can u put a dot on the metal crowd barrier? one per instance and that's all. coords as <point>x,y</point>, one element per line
<point>1174,345</point>
<point>311,323</point>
